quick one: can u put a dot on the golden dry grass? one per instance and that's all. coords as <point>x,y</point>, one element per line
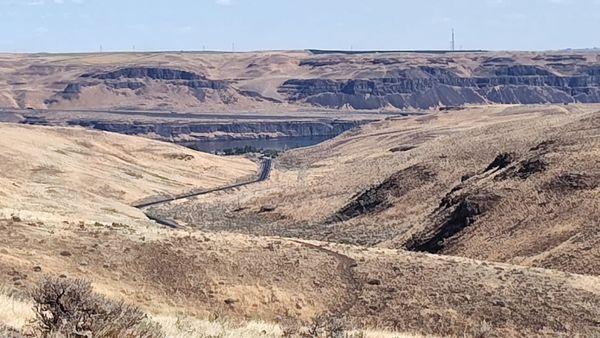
<point>15,312</point>
<point>208,278</point>
<point>69,174</point>
<point>190,327</point>
<point>17,316</point>
<point>238,278</point>
<point>535,221</point>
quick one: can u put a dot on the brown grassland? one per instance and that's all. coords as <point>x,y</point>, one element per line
<point>399,182</point>
<point>481,222</point>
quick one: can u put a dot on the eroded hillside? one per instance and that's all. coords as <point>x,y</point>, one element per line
<point>292,81</point>
<point>508,184</point>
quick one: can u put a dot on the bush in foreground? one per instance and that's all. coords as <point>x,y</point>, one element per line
<point>69,307</point>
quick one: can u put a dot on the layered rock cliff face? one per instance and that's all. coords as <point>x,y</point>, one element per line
<point>140,79</point>
<point>180,132</point>
<point>301,80</point>
<point>425,87</point>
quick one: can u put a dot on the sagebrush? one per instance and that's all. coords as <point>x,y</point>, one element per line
<point>69,307</point>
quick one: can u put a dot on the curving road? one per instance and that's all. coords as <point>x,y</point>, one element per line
<point>345,264</point>
<point>264,174</point>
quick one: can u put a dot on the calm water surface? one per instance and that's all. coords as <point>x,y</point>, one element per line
<point>279,144</point>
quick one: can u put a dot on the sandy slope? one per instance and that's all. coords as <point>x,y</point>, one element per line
<point>66,174</point>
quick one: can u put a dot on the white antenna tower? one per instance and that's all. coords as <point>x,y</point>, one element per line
<point>453,41</point>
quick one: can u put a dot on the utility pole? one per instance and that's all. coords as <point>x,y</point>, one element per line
<point>453,41</point>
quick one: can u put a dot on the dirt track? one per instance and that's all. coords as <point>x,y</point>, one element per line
<point>345,267</point>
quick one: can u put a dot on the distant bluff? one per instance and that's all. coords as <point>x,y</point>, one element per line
<point>291,81</point>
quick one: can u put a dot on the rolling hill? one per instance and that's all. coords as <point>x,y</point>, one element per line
<point>514,184</point>
<point>69,174</point>
<point>392,229</point>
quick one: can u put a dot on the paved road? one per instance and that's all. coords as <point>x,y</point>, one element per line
<point>264,174</point>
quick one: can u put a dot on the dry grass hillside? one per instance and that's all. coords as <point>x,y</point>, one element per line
<point>294,256</point>
<point>67,174</point>
<point>218,278</point>
<point>509,184</point>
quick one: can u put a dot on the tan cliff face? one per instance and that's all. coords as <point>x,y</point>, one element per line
<point>293,81</point>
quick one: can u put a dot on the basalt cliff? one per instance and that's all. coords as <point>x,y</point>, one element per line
<point>295,81</point>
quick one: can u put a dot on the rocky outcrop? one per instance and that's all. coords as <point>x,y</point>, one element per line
<point>133,78</point>
<point>381,196</point>
<point>323,79</point>
<point>146,72</point>
<point>238,130</point>
<point>454,216</point>
<point>138,78</point>
<point>426,87</point>
<point>168,75</point>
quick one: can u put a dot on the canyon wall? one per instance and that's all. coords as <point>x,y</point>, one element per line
<point>425,87</point>
<point>296,81</point>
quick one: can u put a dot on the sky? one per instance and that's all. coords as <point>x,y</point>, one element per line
<point>244,25</point>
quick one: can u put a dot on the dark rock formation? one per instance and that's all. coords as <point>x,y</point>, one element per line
<point>530,167</point>
<point>434,86</point>
<point>71,91</point>
<point>454,216</point>
<point>401,149</point>
<point>569,182</point>
<point>135,78</point>
<point>500,162</point>
<point>525,168</point>
<point>175,130</point>
<point>146,72</point>
<point>379,198</point>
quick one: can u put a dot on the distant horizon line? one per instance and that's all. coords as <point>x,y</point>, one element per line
<point>310,50</point>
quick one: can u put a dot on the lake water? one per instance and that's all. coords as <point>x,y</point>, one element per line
<point>278,144</point>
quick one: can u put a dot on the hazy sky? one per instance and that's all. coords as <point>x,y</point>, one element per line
<point>84,25</point>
